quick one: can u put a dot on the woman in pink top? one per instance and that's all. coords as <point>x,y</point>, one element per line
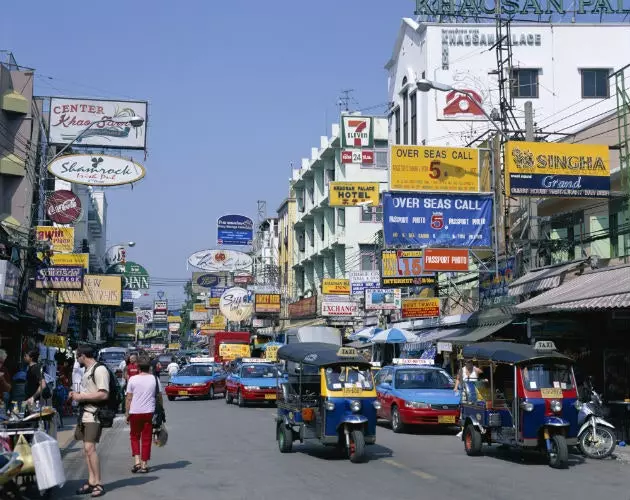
<point>142,392</point>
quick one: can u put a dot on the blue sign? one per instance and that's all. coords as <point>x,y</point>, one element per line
<point>437,220</point>
<point>235,230</point>
<point>207,280</point>
<point>217,292</point>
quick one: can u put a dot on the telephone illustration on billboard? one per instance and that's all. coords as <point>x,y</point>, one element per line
<point>458,103</point>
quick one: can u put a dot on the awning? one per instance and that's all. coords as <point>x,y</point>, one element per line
<point>308,322</point>
<point>468,335</point>
<point>542,279</point>
<point>607,288</point>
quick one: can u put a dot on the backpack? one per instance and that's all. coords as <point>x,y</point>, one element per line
<point>107,409</point>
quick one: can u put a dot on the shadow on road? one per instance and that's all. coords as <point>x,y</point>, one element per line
<point>424,430</point>
<point>180,464</point>
<point>70,488</point>
<point>374,452</point>
<point>525,457</point>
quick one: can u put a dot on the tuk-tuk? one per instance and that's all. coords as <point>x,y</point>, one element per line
<point>329,396</point>
<point>526,398</point>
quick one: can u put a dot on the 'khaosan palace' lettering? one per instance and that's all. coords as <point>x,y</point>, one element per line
<point>471,8</point>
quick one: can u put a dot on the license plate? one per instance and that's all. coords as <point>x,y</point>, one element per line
<point>270,396</point>
<point>446,419</point>
<point>182,393</point>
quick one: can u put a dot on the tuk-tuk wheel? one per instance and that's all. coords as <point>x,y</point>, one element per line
<point>472,440</point>
<point>356,453</point>
<point>284,436</point>
<point>559,455</point>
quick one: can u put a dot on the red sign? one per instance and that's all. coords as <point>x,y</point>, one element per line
<point>459,104</point>
<point>446,259</point>
<point>358,156</point>
<point>243,279</point>
<point>303,308</point>
<point>367,157</point>
<point>63,207</point>
<point>346,156</point>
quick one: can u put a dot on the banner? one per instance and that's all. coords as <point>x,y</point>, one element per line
<point>267,303</point>
<point>61,238</point>
<point>343,194</point>
<point>557,169</point>
<point>404,268</point>
<point>435,169</point>
<point>363,280</point>
<point>421,308</point>
<point>332,286</point>
<point>446,259</point>
<point>98,290</point>
<point>437,220</point>
<point>235,230</point>
<point>59,278</point>
<point>382,299</point>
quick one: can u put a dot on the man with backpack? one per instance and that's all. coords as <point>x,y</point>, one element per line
<point>97,401</point>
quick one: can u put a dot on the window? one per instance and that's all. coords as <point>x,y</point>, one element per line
<point>301,245</point>
<point>525,83</point>
<point>330,175</point>
<point>299,197</point>
<point>372,214</point>
<point>414,119</point>
<point>380,158</point>
<point>321,229</point>
<point>595,84</point>
<point>341,217</point>
<point>397,125</point>
<point>405,98</point>
<point>286,273</point>
<point>312,235</point>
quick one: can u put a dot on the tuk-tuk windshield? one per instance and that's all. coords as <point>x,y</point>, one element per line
<point>340,377</point>
<point>547,376</point>
<point>423,378</point>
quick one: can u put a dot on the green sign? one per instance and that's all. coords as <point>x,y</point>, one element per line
<point>134,276</point>
<point>473,8</point>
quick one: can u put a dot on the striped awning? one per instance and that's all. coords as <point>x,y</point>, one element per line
<point>542,279</point>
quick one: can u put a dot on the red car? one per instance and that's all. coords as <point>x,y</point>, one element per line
<point>197,380</point>
<point>254,380</point>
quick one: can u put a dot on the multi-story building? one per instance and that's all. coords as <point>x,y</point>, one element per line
<point>266,254</point>
<point>286,222</point>
<point>332,241</point>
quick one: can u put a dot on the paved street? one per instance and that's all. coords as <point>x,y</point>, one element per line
<point>225,452</point>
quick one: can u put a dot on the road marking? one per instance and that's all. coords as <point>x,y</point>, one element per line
<point>423,475</point>
<point>415,472</point>
<point>394,463</point>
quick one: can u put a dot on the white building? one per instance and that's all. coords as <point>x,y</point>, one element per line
<point>332,241</point>
<point>266,254</point>
<point>562,68</point>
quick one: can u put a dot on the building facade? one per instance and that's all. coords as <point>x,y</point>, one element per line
<point>286,223</point>
<point>266,251</point>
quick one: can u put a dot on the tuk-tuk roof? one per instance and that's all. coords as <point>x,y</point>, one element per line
<point>508,352</point>
<point>318,354</point>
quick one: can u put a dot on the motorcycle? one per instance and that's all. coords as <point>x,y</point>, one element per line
<point>596,437</point>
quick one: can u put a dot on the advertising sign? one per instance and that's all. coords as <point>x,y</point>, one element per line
<point>9,282</point>
<point>493,289</point>
<point>61,238</point>
<point>229,352</point>
<point>237,304</point>
<point>59,278</point>
<point>71,259</point>
<point>63,207</point>
<point>58,341</point>
<point>434,168</point>
<point>382,299</point>
<point>404,268</point>
<point>304,308</point>
<point>464,9</point>
<point>98,290</point>
<point>144,316</point>
<point>420,308</point>
<point>243,279</point>
<point>220,260</point>
<point>96,170</point>
<point>363,280</point>
<point>267,303</point>
<point>339,306</point>
<point>135,277</point>
<point>116,254</point>
<point>160,305</point>
<point>357,156</point>
<point>557,169</point>
<point>199,315</point>
<point>445,259</point>
<point>271,352</point>
<point>437,220</point>
<point>357,132</point>
<point>235,230</point>
<point>202,282</point>
<point>343,194</point>
<point>70,117</point>
<point>332,286</point>
<point>217,322</point>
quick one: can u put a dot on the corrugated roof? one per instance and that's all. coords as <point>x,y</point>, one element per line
<point>542,279</point>
<point>467,335</point>
<point>605,288</point>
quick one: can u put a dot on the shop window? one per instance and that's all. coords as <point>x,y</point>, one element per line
<point>595,84</point>
<point>525,83</point>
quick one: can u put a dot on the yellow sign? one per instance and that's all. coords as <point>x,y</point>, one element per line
<point>199,308</point>
<point>125,329</point>
<point>71,259</point>
<point>272,352</point>
<point>347,352</point>
<point>434,168</point>
<point>348,194</point>
<point>213,302</point>
<point>218,323</point>
<point>232,351</point>
<point>332,286</point>
<point>61,238</point>
<point>551,393</point>
<point>174,319</point>
<point>175,346</point>
<point>98,290</point>
<point>557,169</point>
<point>58,341</point>
<point>421,308</point>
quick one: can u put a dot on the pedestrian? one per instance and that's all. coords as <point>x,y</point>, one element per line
<point>156,366</point>
<point>132,367</point>
<point>172,367</point>
<point>5,378</point>
<point>94,390</point>
<point>143,391</point>
<point>35,381</point>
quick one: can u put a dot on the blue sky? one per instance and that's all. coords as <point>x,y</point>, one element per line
<point>237,91</point>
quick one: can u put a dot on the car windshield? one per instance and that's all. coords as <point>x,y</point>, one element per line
<point>547,376</point>
<point>342,377</point>
<point>259,371</point>
<point>423,378</point>
<point>196,371</point>
<point>111,357</point>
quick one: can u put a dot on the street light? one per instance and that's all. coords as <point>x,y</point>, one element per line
<point>424,85</point>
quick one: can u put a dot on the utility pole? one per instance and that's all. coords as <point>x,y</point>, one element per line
<point>531,205</point>
<point>344,100</point>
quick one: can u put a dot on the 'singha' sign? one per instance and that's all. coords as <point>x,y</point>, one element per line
<point>469,8</point>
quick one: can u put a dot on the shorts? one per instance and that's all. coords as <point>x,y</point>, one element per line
<point>89,432</point>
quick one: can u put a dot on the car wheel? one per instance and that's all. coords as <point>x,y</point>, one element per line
<point>228,398</point>
<point>171,398</point>
<point>397,424</point>
<point>240,399</point>
<point>211,393</point>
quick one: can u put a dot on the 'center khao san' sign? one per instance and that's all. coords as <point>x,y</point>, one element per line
<point>96,170</point>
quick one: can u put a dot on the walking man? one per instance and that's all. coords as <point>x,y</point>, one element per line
<point>94,390</point>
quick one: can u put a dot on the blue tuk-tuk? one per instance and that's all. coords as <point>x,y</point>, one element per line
<point>526,398</point>
<point>329,396</point>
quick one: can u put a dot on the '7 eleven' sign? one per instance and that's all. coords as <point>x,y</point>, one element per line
<point>357,132</point>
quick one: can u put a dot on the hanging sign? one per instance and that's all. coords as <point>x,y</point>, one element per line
<point>237,304</point>
<point>71,259</point>
<point>404,268</point>
<point>220,260</point>
<point>96,170</point>
<point>61,238</point>
<point>60,278</point>
<point>357,131</point>
<point>420,308</point>
<point>135,277</point>
<point>446,259</point>
<point>343,194</point>
<point>63,207</point>
<point>332,286</point>
<point>382,299</point>
<point>58,341</point>
<point>235,230</point>
<point>363,280</point>
<point>267,302</point>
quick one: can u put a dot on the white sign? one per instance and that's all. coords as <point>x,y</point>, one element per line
<point>545,345</point>
<point>202,360</point>
<point>357,131</point>
<point>96,170</point>
<point>198,315</point>
<point>339,306</point>
<point>160,305</point>
<point>144,316</point>
<point>444,347</point>
<point>363,280</point>
<point>116,255</point>
<point>418,361</point>
<point>220,260</point>
<point>383,299</point>
<point>237,304</point>
<point>70,117</point>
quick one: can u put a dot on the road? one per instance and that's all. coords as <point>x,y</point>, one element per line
<point>224,452</point>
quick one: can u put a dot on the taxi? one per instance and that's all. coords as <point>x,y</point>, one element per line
<point>253,380</point>
<point>414,392</point>
<point>202,378</point>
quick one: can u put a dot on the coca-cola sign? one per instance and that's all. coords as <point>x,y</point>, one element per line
<point>63,207</point>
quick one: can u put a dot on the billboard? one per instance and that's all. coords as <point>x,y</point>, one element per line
<point>216,260</point>
<point>382,299</point>
<point>446,259</point>
<point>343,194</point>
<point>357,131</point>
<point>404,268</point>
<point>493,288</point>
<point>63,207</point>
<point>421,308</point>
<point>235,230</point>
<point>332,286</point>
<point>96,170</point>
<point>363,280</point>
<point>70,117</point>
<point>437,220</point>
<point>434,169</point>
<point>267,303</point>
<point>98,290</point>
<point>557,169</point>
<point>61,238</point>
<point>59,278</point>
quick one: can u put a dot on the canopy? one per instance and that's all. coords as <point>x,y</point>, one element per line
<point>508,352</point>
<point>392,336</point>
<point>317,354</point>
<point>365,333</point>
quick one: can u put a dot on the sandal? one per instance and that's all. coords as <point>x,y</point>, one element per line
<point>98,490</point>
<point>143,470</point>
<point>136,468</point>
<point>86,489</point>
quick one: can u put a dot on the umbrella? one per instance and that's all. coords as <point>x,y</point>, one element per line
<point>366,333</point>
<point>392,336</point>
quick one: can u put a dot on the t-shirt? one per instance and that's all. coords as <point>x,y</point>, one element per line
<point>172,368</point>
<point>143,389</point>
<point>33,379</point>
<point>132,369</point>
<point>91,385</point>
